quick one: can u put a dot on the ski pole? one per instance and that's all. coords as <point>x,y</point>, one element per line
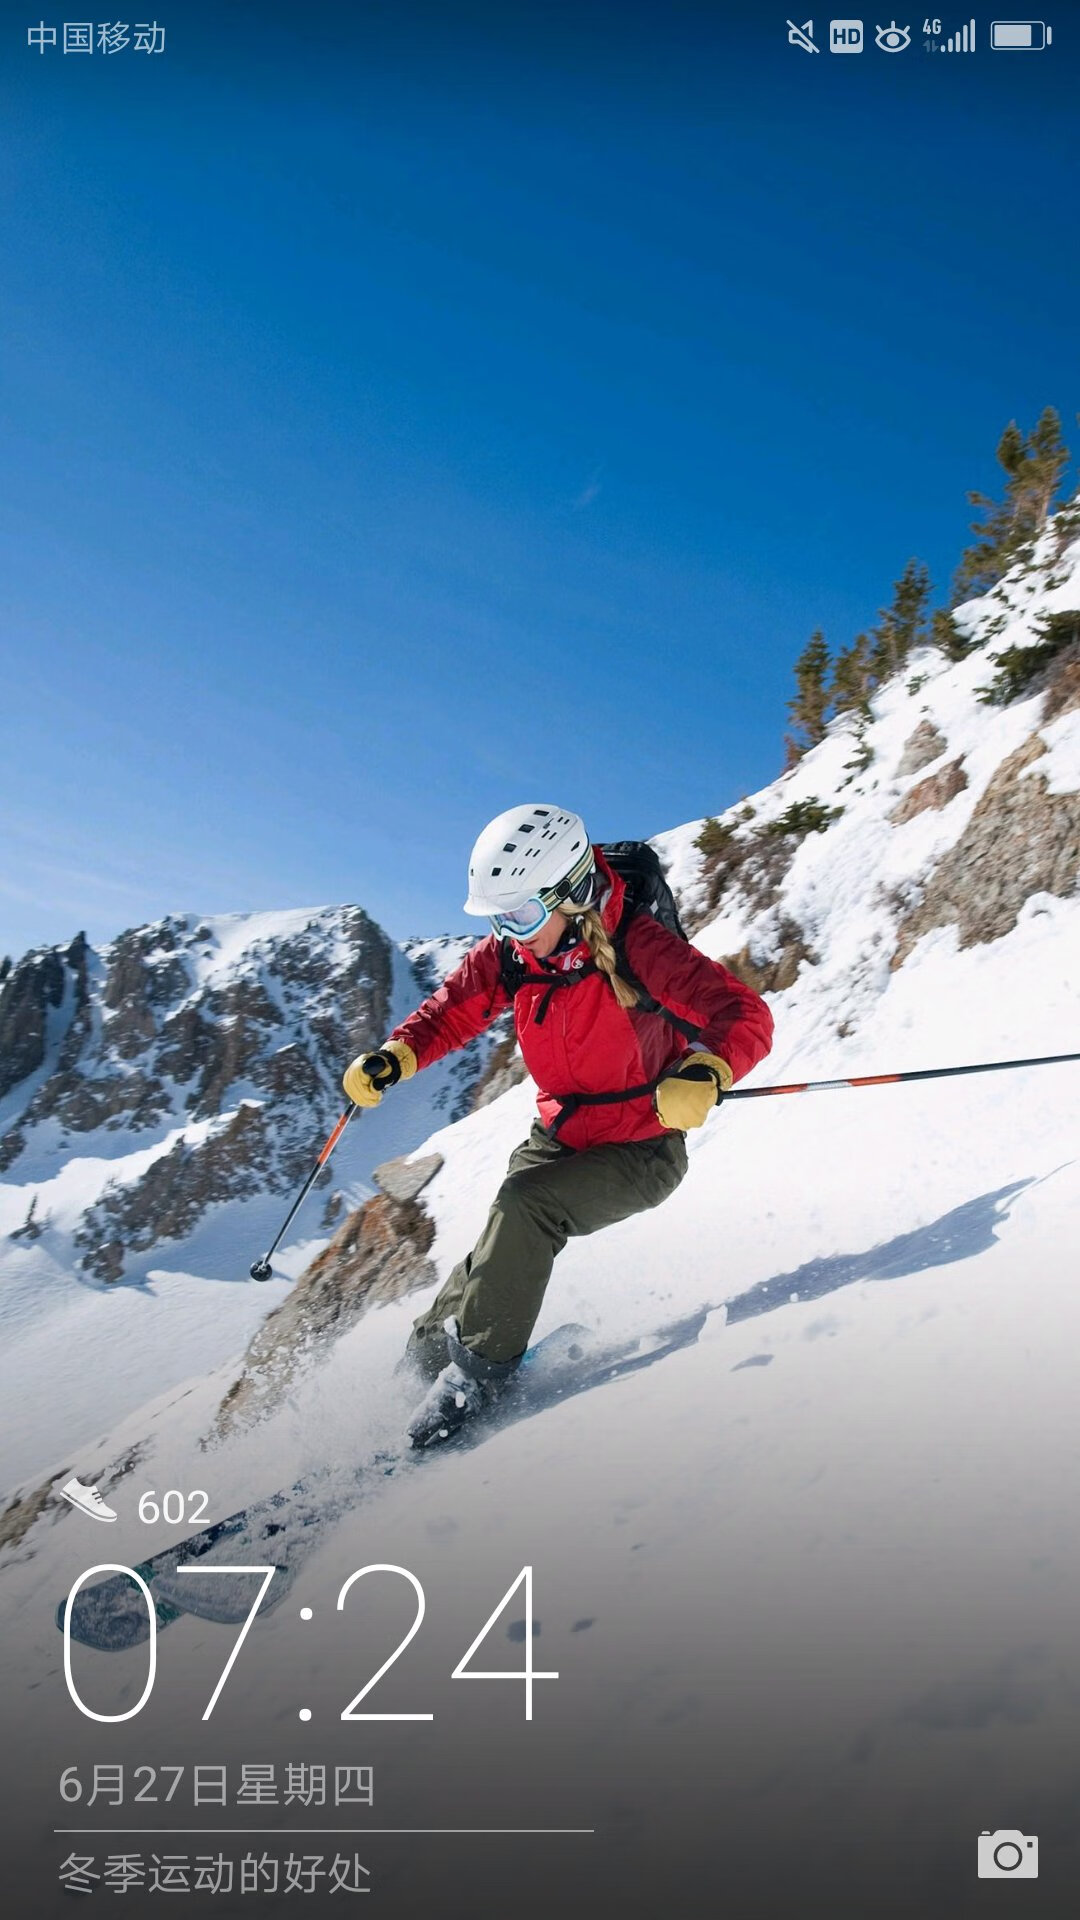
<point>260,1269</point>
<point>894,1079</point>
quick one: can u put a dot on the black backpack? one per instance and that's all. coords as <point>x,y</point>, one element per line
<point>647,891</point>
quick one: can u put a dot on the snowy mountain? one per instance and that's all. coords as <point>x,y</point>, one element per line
<point>160,1101</point>
<point>807,1571</point>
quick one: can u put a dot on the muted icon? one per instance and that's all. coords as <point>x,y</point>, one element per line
<point>802,36</point>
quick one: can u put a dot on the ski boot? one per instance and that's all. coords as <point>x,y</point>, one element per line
<point>467,1386</point>
<point>426,1354</point>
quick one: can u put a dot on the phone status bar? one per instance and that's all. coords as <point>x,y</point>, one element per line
<point>936,36</point>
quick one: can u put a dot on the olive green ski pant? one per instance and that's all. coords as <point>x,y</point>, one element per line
<point>550,1192</point>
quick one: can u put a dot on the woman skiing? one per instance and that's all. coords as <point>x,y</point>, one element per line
<point>631,1035</point>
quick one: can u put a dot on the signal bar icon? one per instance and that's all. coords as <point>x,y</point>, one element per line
<point>963,41</point>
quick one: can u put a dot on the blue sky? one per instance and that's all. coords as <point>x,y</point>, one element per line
<point>411,410</point>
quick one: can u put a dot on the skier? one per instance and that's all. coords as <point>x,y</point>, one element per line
<point>632,1037</point>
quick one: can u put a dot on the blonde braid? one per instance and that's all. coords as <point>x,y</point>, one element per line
<point>603,954</point>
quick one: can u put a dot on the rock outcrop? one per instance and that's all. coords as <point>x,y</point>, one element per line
<point>379,1254</point>
<point>246,1156</point>
<point>934,792</point>
<point>922,746</point>
<point>505,1067</point>
<point>1021,839</point>
<point>1063,685</point>
<point>33,992</point>
<point>772,966</point>
<point>405,1179</point>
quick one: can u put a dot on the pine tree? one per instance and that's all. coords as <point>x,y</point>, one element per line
<point>945,634</point>
<point>852,682</point>
<point>910,597</point>
<point>902,625</point>
<point>811,702</point>
<point>1048,457</point>
<point>1033,470</point>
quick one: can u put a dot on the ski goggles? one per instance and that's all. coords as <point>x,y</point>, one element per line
<point>526,920</point>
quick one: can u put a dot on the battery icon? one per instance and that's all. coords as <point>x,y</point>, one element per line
<point>1020,36</point>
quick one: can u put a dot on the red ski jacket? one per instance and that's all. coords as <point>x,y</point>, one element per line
<point>583,1041</point>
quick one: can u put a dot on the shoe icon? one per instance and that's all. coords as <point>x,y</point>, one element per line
<point>87,1499</point>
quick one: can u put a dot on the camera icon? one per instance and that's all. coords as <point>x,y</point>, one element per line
<point>1008,1855</point>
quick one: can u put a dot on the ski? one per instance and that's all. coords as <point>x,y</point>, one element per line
<point>227,1600</point>
<point>286,1527</point>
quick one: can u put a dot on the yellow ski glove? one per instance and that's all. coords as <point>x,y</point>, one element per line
<point>370,1073</point>
<point>686,1098</point>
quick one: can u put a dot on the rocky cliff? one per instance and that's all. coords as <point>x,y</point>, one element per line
<point>194,1062</point>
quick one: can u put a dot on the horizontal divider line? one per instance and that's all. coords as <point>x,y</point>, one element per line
<point>312,1833</point>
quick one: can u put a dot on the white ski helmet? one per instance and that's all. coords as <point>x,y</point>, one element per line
<point>523,854</point>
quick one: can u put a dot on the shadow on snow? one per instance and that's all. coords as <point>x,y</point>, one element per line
<point>960,1234</point>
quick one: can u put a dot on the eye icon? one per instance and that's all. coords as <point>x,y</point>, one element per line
<point>893,39</point>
